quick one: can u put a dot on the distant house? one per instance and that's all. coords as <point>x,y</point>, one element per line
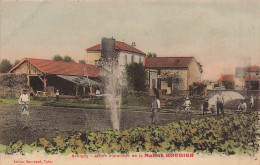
<point>227,80</point>
<point>69,78</point>
<point>172,73</point>
<point>252,77</point>
<point>239,78</point>
<point>126,54</point>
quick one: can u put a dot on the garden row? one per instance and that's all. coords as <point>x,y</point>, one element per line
<point>235,134</point>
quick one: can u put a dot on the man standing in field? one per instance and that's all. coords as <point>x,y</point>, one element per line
<point>187,104</point>
<point>24,102</point>
<point>154,107</point>
<point>251,102</point>
<point>57,95</point>
<point>205,106</point>
<point>220,104</point>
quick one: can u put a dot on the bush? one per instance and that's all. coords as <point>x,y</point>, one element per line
<point>229,135</point>
<point>136,99</point>
<point>12,84</point>
<point>136,76</point>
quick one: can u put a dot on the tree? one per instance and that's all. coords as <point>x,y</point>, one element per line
<point>15,62</point>
<point>149,55</point>
<point>82,61</point>
<point>135,73</point>
<point>5,66</point>
<point>173,79</point>
<point>154,55</point>
<point>201,69</point>
<point>57,57</point>
<point>68,59</point>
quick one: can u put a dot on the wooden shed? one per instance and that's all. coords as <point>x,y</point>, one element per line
<point>70,78</point>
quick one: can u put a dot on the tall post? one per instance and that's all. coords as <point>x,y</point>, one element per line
<point>28,80</point>
<point>28,74</point>
<point>44,83</point>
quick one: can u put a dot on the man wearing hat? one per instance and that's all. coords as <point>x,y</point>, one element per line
<point>24,102</point>
<point>220,104</point>
<point>205,106</point>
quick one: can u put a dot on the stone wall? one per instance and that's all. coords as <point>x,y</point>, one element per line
<point>194,74</point>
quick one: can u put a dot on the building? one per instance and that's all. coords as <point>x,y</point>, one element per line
<point>70,78</point>
<point>126,54</point>
<point>239,78</point>
<point>227,80</point>
<point>172,73</point>
<point>252,77</point>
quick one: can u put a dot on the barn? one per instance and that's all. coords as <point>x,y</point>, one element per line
<point>47,76</point>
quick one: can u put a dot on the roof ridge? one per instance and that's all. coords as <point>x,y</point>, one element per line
<point>117,46</point>
<point>54,60</point>
<point>174,57</point>
<point>47,66</point>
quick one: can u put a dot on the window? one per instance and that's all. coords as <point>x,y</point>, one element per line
<point>132,59</point>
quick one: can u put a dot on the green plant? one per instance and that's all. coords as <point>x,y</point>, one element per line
<point>230,135</point>
<point>135,73</point>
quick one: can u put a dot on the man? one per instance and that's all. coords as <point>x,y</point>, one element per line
<point>24,102</point>
<point>242,106</point>
<point>154,107</point>
<point>220,104</point>
<point>251,102</point>
<point>57,95</point>
<point>205,106</point>
<point>187,104</point>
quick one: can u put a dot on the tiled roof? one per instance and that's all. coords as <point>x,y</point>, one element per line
<point>61,67</point>
<point>118,46</point>
<point>251,78</point>
<point>252,69</point>
<point>226,78</point>
<point>167,62</point>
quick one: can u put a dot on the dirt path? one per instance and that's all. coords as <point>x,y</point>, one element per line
<point>50,122</point>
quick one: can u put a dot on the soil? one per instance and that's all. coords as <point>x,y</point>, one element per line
<point>49,122</point>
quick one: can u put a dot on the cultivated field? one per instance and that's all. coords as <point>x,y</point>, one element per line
<point>49,122</point>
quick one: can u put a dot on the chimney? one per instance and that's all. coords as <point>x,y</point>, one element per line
<point>133,44</point>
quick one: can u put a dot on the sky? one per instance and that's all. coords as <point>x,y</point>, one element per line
<point>221,34</point>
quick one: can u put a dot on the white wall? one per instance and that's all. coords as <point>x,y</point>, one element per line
<point>126,58</point>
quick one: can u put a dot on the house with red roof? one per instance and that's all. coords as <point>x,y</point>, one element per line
<point>125,53</point>
<point>170,74</point>
<point>227,80</point>
<point>252,77</point>
<point>70,78</point>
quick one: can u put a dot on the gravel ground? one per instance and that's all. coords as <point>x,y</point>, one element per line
<point>49,122</point>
